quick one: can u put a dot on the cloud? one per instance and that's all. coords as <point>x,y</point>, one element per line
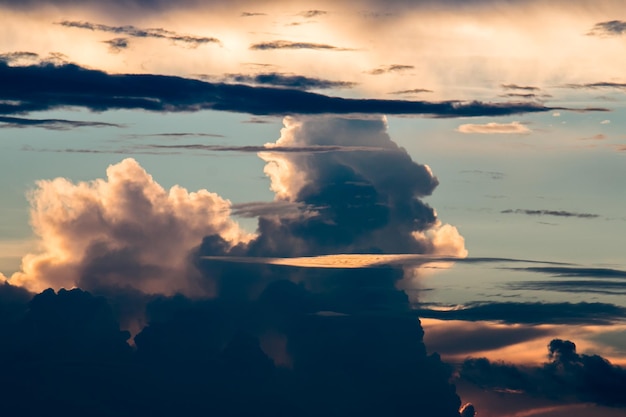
<point>519,87</point>
<point>132,31</point>
<point>46,86</point>
<point>563,271</point>
<point>596,286</point>
<point>556,213</point>
<point>494,128</point>
<point>494,175</point>
<point>412,91</point>
<point>368,202</point>
<point>287,80</point>
<point>608,28</point>
<point>390,68</point>
<point>312,13</point>
<point>605,122</point>
<point>527,96</point>
<point>567,374</point>
<point>251,14</point>
<point>50,124</point>
<point>119,232</point>
<point>280,209</point>
<point>117,44</point>
<point>531,313</point>
<point>596,85</point>
<point>282,44</point>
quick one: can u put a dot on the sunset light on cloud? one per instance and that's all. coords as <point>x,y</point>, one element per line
<point>312,208</point>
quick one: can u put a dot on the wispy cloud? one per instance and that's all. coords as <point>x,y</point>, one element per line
<point>494,128</point>
<point>412,91</point>
<point>563,271</point>
<point>50,124</point>
<point>390,68</point>
<point>519,87</point>
<point>312,13</point>
<point>557,213</point>
<point>117,44</point>
<point>608,28</point>
<point>135,32</point>
<point>530,313</point>
<point>596,85</point>
<point>282,44</point>
<point>288,80</point>
<point>251,14</point>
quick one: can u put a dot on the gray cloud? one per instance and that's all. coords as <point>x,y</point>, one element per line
<point>596,85</point>
<point>597,286</point>
<point>564,271</point>
<point>519,87</point>
<point>282,44</point>
<point>132,31</point>
<point>556,213</point>
<point>50,124</point>
<point>412,91</point>
<point>287,80</point>
<point>312,13</point>
<point>608,28</point>
<point>117,44</point>
<point>390,68</point>
<point>251,14</point>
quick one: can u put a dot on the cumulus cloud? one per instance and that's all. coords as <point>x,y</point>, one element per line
<point>494,128</point>
<point>368,202</point>
<point>567,374</point>
<point>123,231</point>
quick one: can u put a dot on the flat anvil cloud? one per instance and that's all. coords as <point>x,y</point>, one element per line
<point>25,89</point>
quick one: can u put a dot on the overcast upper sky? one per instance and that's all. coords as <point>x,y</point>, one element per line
<point>313,207</point>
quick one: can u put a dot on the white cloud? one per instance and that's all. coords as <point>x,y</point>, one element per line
<point>493,127</point>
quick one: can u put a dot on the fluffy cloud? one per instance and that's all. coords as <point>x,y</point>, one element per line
<point>493,127</point>
<point>124,231</point>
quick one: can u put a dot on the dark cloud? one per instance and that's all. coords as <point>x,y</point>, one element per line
<point>596,286</point>
<point>117,44</point>
<point>287,80</point>
<point>519,87</point>
<point>608,28</point>
<point>563,271</point>
<point>46,86</point>
<point>557,213</point>
<point>9,57</point>
<point>250,14</point>
<point>531,313</point>
<point>312,13</point>
<point>390,68</point>
<point>596,85</point>
<point>525,95</point>
<point>566,375</point>
<point>132,31</point>
<point>50,124</point>
<point>281,44</point>
<point>412,91</point>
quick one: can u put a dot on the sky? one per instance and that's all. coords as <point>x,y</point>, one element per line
<point>312,208</point>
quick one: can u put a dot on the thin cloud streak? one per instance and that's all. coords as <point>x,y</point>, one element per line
<point>555,213</point>
<point>494,128</point>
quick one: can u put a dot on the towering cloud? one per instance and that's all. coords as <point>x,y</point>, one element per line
<point>366,202</point>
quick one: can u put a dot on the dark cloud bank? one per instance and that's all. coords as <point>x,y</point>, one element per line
<point>567,375</point>
<point>46,86</point>
<point>229,339</point>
